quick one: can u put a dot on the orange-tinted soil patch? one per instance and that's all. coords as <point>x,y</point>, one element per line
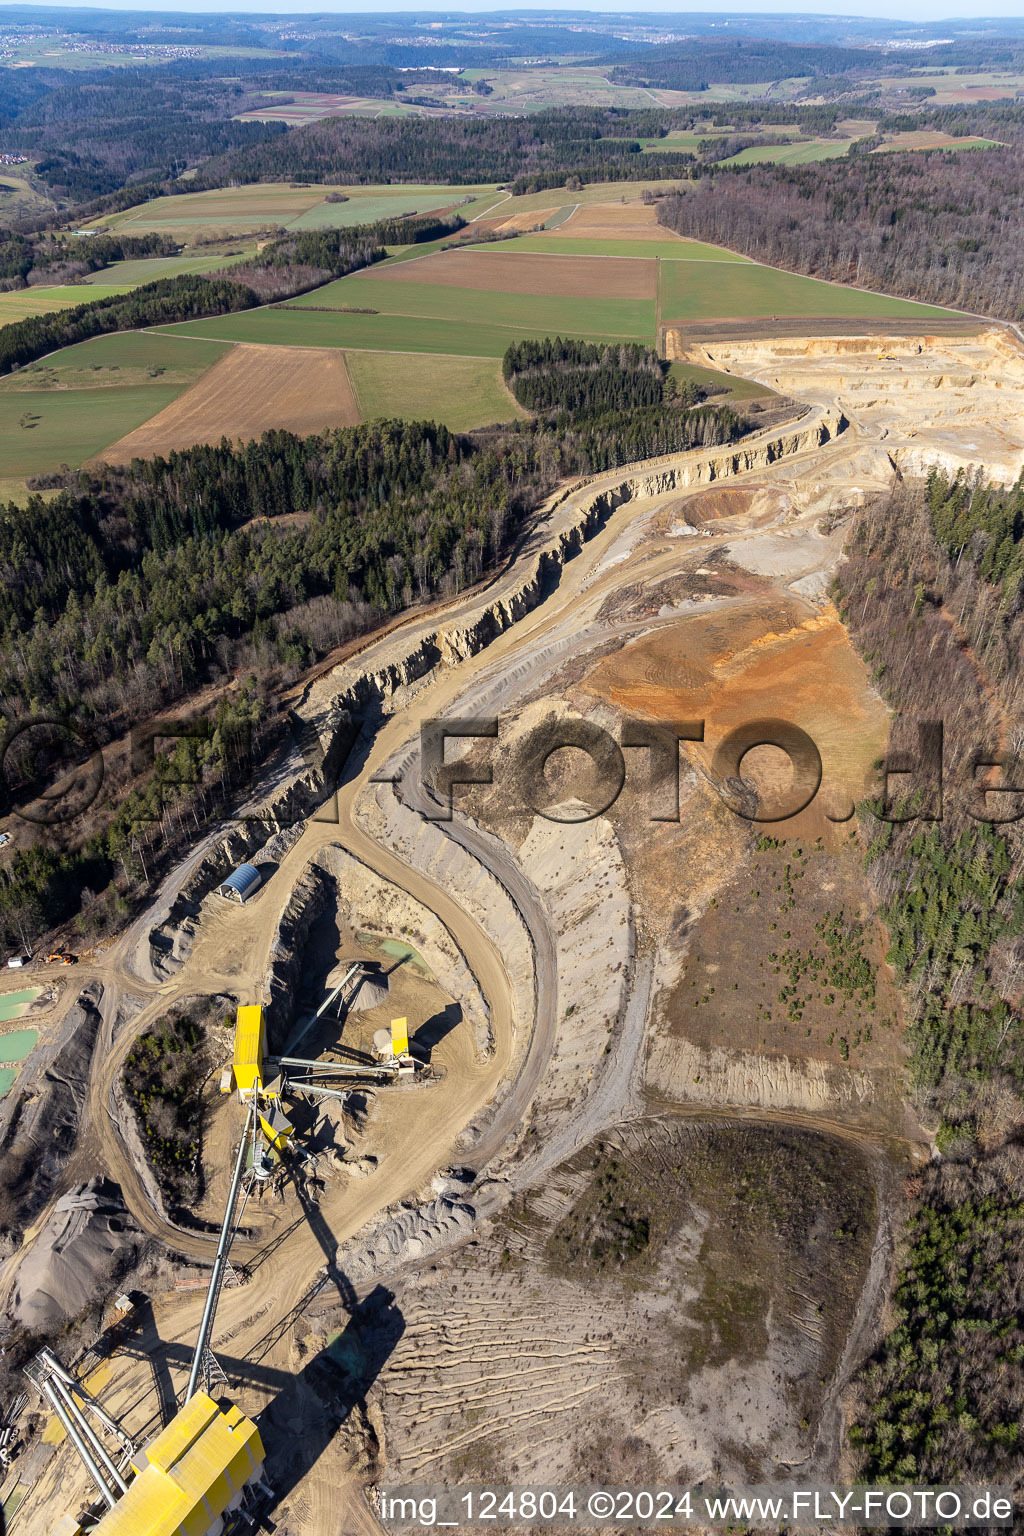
<point>248,392</point>
<point>758,659</point>
<point>710,507</point>
<point>622,218</point>
<point>496,272</point>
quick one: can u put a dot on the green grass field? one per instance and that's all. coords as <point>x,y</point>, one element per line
<point>366,210</point>
<point>529,314</point>
<point>600,192</point>
<point>131,274</point>
<point>236,211</point>
<point>669,249</point>
<point>42,429</point>
<point>294,327</point>
<point>678,143</point>
<point>790,154</point>
<point>460,392</point>
<point>920,143</point>
<point>25,302</point>
<point>71,406</point>
<point>736,388</point>
<point>702,291</point>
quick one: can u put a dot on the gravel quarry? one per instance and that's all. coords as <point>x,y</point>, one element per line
<point>574,1250</point>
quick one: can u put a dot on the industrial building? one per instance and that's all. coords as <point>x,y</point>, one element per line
<point>242,883</point>
<point>197,1470</point>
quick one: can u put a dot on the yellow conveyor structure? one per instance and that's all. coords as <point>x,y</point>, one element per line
<point>249,1080</point>
<point>250,1049</point>
<point>187,1478</point>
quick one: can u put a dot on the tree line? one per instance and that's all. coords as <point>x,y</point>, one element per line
<point>579,376</point>
<point>135,586</point>
<point>692,66</point>
<point>164,302</point>
<point>25,258</point>
<point>284,268</point>
<point>91,135</point>
<point>940,227</point>
<point>931,594</point>
<point>562,140</point>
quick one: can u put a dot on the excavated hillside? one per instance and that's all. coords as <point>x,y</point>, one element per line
<point>942,400</point>
<point>667,1097</point>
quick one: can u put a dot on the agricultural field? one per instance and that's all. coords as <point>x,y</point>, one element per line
<point>420,335</point>
<point>147,269</point>
<point>18,197</point>
<point>532,90</point>
<point>702,291</point>
<point>82,52</point>
<point>472,301</point>
<point>803,152</point>
<point>930,140</point>
<point>247,392</point>
<point>669,248</point>
<point>292,326</point>
<point>297,108</point>
<point>23,303</point>
<point>460,392</point>
<point>952,89</point>
<point>138,394</point>
<point>607,194</point>
<point>70,407</point>
<point>537,301</point>
<point>231,212</point>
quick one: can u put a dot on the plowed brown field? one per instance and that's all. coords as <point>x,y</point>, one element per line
<point>530,220</point>
<point>251,390</point>
<point>500,272</point>
<point>612,221</point>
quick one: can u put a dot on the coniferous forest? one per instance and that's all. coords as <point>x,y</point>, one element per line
<point>931,593</point>
<point>130,588</point>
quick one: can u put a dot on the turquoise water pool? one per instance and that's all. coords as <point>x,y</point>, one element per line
<point>13,1049</point>
<point>14,1004</point>
<point>396,949</point>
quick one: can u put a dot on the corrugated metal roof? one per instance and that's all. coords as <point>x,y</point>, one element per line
<point>242,880</point>
<point>188,1475</point>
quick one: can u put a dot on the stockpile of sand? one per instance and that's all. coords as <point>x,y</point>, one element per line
<point>77,1256</point>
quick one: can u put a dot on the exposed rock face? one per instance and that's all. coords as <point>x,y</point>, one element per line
<point>324,718</point>
<point>375,905</point>
<point>271,832</point>
<point>945,401</point>
<point>425,845</point>
<point>76,1257</point>
<point>312,894</point>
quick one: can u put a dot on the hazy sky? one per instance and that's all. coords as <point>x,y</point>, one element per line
<point>900,10</point>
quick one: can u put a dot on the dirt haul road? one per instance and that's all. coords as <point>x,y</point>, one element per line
<point>255,1322</point>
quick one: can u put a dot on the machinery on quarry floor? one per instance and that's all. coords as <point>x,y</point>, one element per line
<point>203,1473</point>
<point>260,1080</point>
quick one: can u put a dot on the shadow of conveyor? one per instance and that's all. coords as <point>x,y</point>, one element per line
<point>299,1425</point>
<point>434,1029</point>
